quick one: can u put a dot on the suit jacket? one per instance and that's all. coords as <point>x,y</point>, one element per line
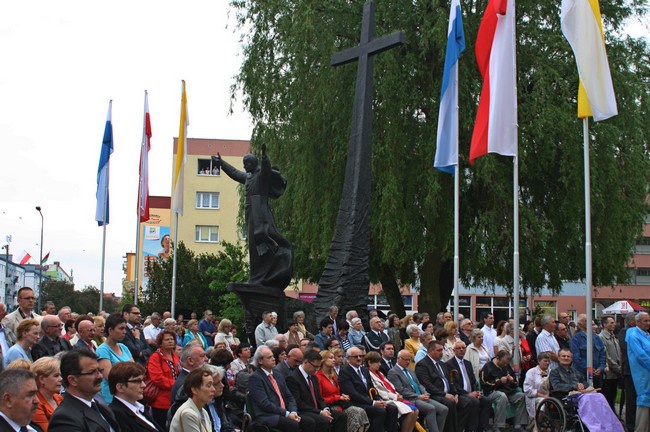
<point>398,378</point>
<point>75,416</point>
<point>428,375</point>
<point>82,345</point>
<point>4,426</point>
<point>137,346</point>
<point>372,341</point>
<point>45,347</point>
<point>226,425</point>
<point>11,321</point>
<point>283,369</point>
<point>300,391</point>
<point>384,366</point>
<point>352,385</point>
<point>265,401</point>
<point>129,422</point>
<point>188,419</point>
<point>457,377</point>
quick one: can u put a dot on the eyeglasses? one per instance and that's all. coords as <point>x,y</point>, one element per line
<point>135,381</point>
<point>356,356</point>
<point>92,372</point>
<point>55,326</point>
<point>28,298</point>
<point>405,359</point>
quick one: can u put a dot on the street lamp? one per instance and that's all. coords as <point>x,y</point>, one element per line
<point>40,265</point>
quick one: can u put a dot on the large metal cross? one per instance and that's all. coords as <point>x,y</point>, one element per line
<point>345,280</point>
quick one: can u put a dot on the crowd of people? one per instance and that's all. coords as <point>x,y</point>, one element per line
<point>120,372</point>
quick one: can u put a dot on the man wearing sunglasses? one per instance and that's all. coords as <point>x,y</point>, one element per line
<point>79,412</point>
<point>26,300</point>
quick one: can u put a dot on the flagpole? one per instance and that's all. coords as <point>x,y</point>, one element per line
<point>456,247</point>
<point>516,358</point>
<point>173,305</point>
<point>585,127</point>
<point>101,281</point>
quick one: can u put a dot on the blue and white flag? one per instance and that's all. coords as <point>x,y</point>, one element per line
<point>101,214</point>
<point>447,139</point>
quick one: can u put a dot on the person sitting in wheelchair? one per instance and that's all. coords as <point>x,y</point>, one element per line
<point>593,409</point>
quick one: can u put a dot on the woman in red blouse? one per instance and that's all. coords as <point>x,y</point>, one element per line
<point>163,369</point>
<point>331,393</point>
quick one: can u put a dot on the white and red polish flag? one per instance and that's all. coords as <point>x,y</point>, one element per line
<point>495,128</point>
<point>143,189</point>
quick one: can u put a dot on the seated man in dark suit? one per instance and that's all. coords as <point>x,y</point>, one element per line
<point>375,336</point>
<point>51,343</point>
<point>406,383</point>
<point>289,364</point>
<point>273,404</point>
<point>17,386</point>
<point>355,382</point>
<point>466,383</point>
<point>433,374</point>
<point>387,351</point>
<point>125,381</point>
<point>78,412</point>
<point>303,384</point>
<point>86,331</point>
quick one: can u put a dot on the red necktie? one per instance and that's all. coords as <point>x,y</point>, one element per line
<point>311,389</point>
<point>274,383</point>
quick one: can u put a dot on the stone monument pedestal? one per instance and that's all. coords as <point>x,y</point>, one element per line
<point>256,299</point>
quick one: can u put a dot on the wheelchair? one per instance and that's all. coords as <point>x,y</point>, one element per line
<point>558,413</point>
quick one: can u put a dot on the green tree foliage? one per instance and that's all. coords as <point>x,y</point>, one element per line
<point>62,293</point>
<point>200,283</point>
<point>302,108</point>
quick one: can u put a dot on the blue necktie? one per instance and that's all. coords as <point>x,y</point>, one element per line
<point>442,375</point>
<point>413,383</point>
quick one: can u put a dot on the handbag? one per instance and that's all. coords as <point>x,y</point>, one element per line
<point>151,391</point>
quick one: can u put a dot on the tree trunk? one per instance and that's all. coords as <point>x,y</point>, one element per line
<point>391,290</point>
<point>429,298</point>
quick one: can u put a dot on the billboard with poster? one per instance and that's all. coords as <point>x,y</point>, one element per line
<point>155,247</point>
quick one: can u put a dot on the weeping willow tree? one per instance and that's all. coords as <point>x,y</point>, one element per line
<point>301,107</point>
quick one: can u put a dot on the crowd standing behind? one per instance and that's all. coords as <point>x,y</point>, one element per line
<point>120,372</point>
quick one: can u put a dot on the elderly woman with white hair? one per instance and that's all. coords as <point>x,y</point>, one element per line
<point>356,332</point>
<point>299,319</point>
<point>215,408</point>
<point>412,344</point>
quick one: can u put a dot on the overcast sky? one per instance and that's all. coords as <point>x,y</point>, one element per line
<point>62,63</point>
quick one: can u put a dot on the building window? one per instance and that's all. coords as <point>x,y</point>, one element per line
<point>643,272</point>
<point>207,167</point>
<point>207,234</point>
<point>207,200</point>
<point>464,306</point>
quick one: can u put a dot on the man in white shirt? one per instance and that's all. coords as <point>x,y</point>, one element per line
<point>152,331</point>
<point>546,341</point>
<point>488,332</point>
<point>18,400</point>
<point>265,330</point>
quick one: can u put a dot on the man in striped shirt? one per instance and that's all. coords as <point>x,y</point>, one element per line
<point>546,341</point>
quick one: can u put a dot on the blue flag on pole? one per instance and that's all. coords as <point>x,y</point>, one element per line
<point>101,214</point>
<point>447,138</point>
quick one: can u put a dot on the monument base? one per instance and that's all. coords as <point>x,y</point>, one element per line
<point>257,299</point>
